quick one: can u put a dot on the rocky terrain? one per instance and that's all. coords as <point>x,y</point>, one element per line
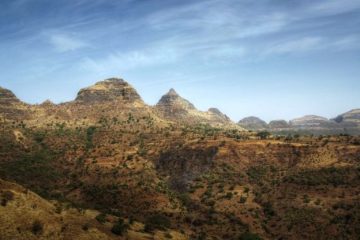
<point>253,123</point>
<point>173,107</point>
<point>347,123</point>
<point>109,166</point>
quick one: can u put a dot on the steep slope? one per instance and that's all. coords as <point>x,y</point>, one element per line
<point>253,123</point>
<point>112,89</point>
<point>173,107</point>
<point>24,215</point>
<point>11,107</point>
<point>352,116</point>
<point>108,100</point>
<point>278,125</point>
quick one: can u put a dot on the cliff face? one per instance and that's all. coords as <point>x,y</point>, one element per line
<point>253,123</point>
<point>173,107</point>
<point>278,124</point>
<point>108,90</point>
<point>11,107</point>
<point>352,116</point>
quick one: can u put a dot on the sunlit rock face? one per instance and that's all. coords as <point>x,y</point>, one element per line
<point>253,123</point>
<point>108,90</point>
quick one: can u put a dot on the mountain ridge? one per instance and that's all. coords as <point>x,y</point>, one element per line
<point>115,96</point>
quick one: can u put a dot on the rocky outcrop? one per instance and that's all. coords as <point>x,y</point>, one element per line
<point>253,123</point>
<point>352,116</point>
<point>108,90</point>
<point>217,114</point>
<point>7,97</point>
<point>173,107</point>
<point>11,107</point>
<point>312,122</point>
<point>279,124</point>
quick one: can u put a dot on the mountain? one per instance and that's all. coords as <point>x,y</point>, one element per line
<point>352,116</point>
<point>112,89</point>
<point>312,122</point>
<point>278,125</point>
<point>111,98</point>
<point>107,159</point>
<point>174,108</point>
<point>253,123</point>
<point>11,107</point>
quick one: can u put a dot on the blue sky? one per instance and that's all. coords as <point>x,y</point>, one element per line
<point>276,59</point>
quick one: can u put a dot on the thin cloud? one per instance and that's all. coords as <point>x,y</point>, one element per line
<point>310,44</point>
<point>295,46</point>
<point>124,61</point>
<point>65,43</point>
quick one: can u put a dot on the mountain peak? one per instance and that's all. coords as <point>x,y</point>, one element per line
<point>172,92</point>
<point>108,90</point>
<point>253,123</point>
<point>172,100</point>
<point>7,96</point>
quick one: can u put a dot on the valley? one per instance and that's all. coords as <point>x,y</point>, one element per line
<point>109,166</point>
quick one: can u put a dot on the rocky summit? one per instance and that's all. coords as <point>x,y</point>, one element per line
<point>173,107</point>
<point>279,124</point>
<point>253,123</point>
<point>11,107</point>
<point>108,90</point>
<point>7,97</point>
<point>352,116</point>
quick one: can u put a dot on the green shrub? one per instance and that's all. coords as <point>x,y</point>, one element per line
<point>6,196</point>
<point>263,134</point>
<point>119,228</point>
<point>37,227</point>
<point>249,236</point>
<point>101,218</point>
<point>243,199</point>
<point>157,221</point>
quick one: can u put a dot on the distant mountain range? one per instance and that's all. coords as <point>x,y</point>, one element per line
<point>346,123</point>
<point>115,98</point>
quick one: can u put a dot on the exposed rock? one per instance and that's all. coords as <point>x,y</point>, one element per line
<point>253,123</point>
<point>108,90</point>
<point>311,121</point>
<point>173,107</point>
<point>11,107</point>
<point>7,97</point>
<point>218,114</point>
<point>279,124</point>
<point>352,116</point>
<point>47,103</point>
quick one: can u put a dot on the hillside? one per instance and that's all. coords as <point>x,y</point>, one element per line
<point>110,155</point>
<point>25,215</point>
<point>173,107</point>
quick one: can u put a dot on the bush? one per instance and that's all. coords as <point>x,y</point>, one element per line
<point>6,196</point>
<point>37,227</point>
<point>101,218</point>
<point>119,228</point>
<point>85,227</point>
<point>157,221</point>
<point>263,134</point>
<point>243,199</point>
<point>249,236</point>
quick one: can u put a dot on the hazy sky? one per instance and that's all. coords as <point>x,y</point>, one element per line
<point>269,58</point>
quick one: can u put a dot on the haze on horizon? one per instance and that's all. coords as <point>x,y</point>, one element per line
<point>271,59</point>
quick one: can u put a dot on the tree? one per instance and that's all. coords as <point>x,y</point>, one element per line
<point>263,134</point>
<point>120,227</point>
<point>249,236</point>
<point>157,221</point>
